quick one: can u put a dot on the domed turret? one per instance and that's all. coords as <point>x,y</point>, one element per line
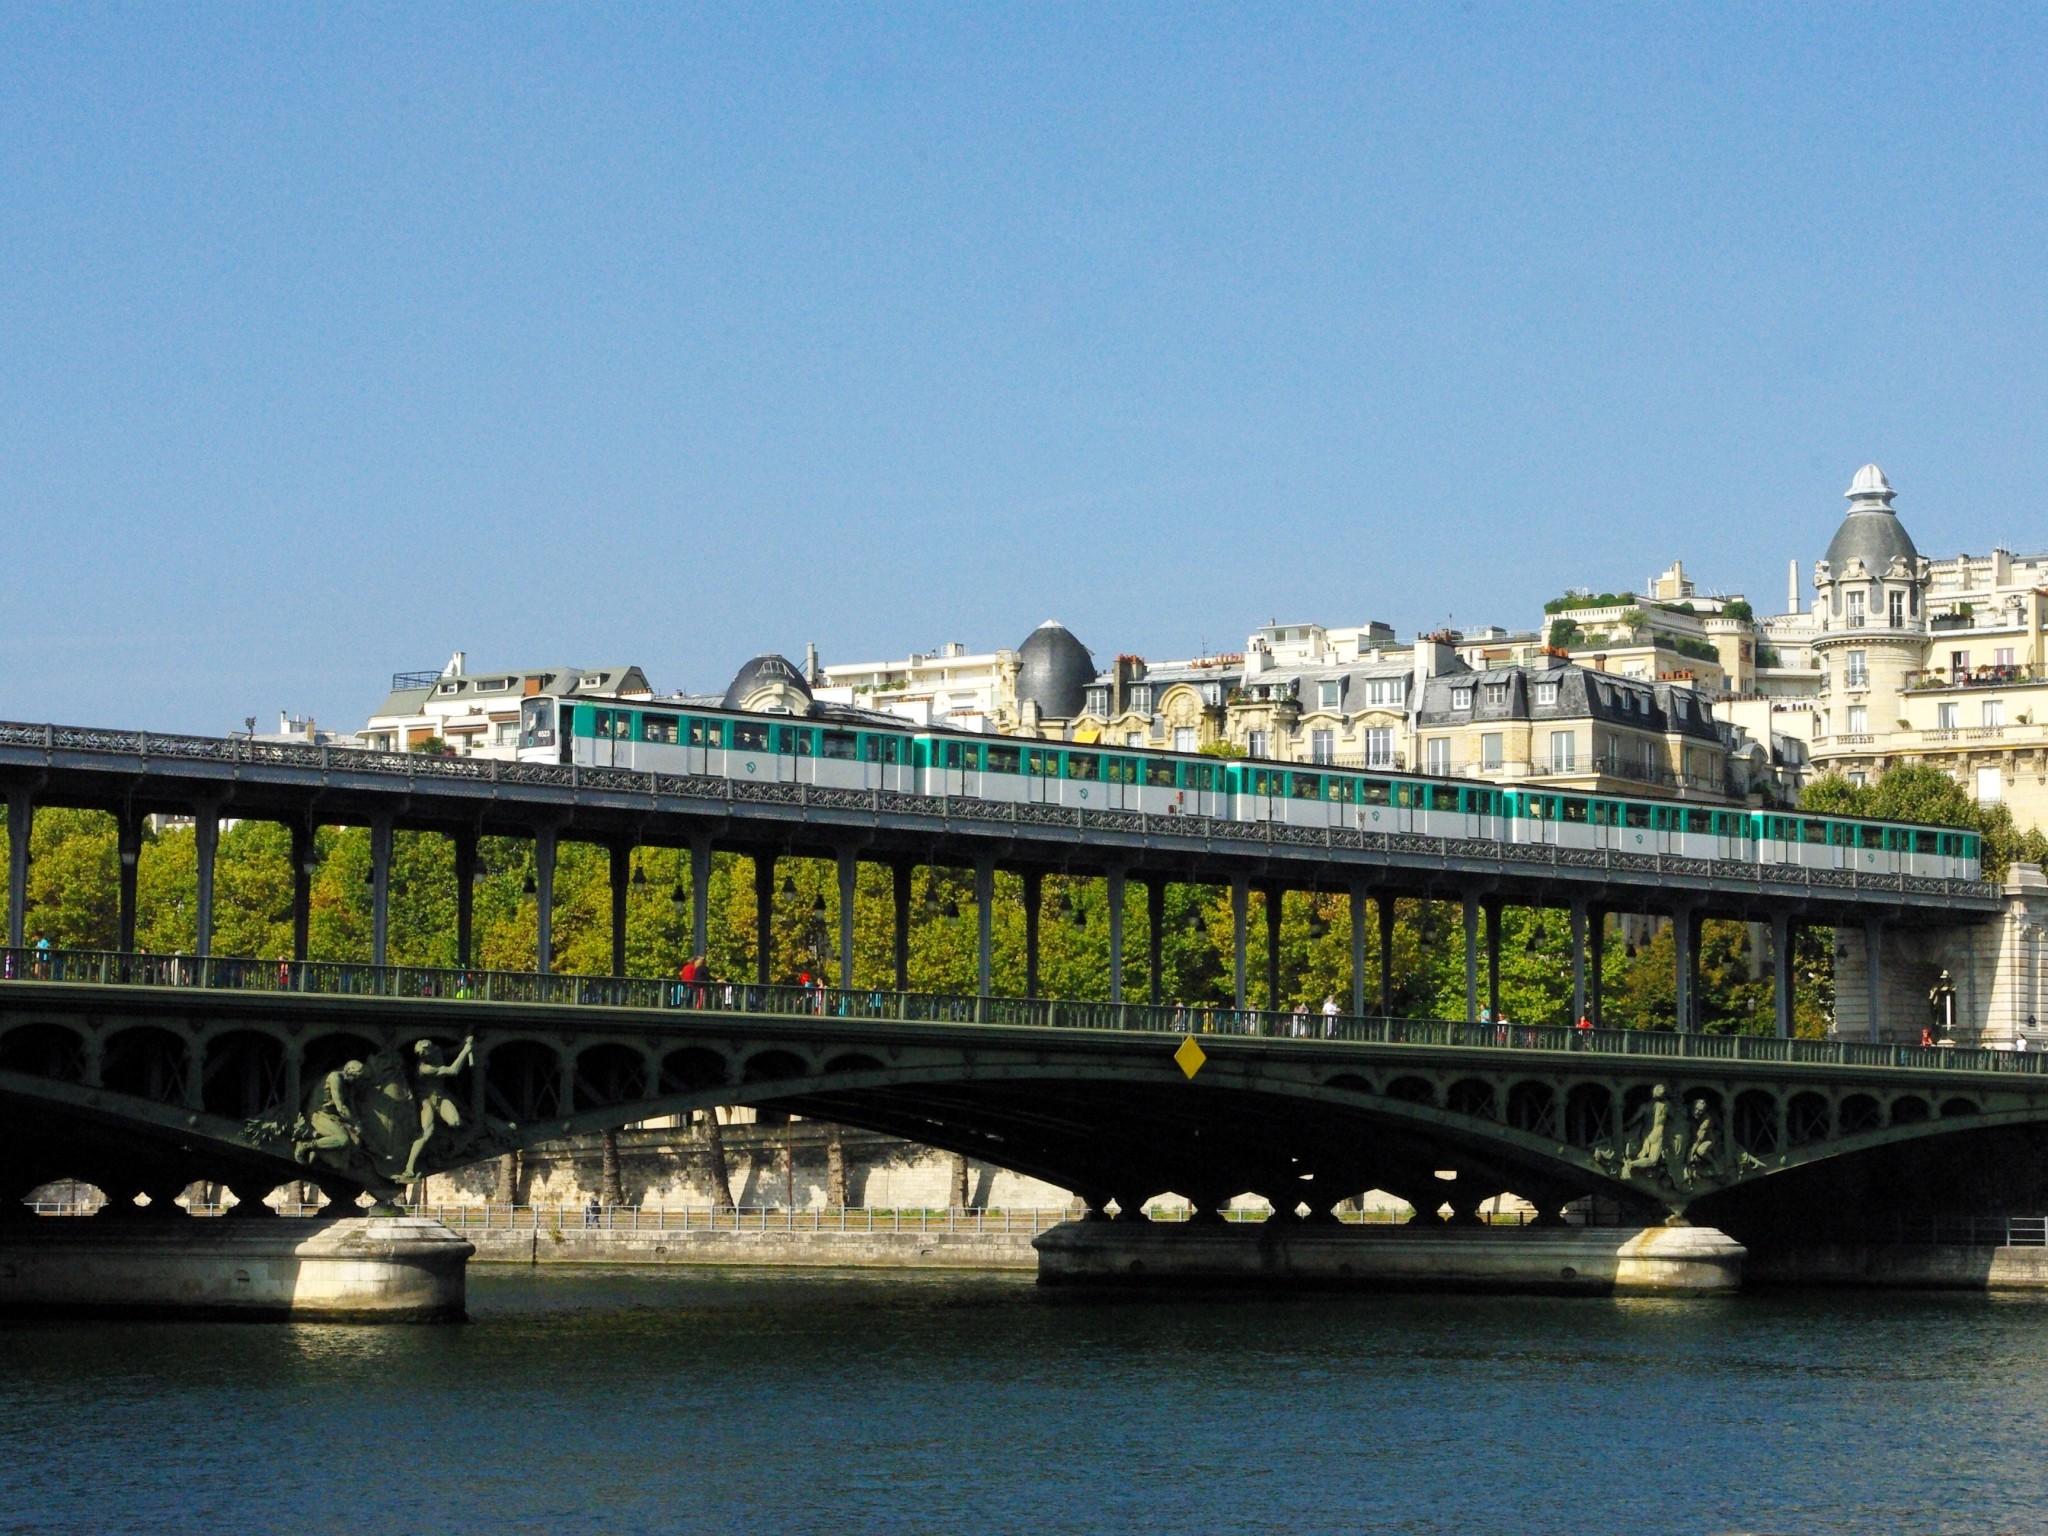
<point>1054,671</point>
<point>768,683</point>
<point>1872,531</point>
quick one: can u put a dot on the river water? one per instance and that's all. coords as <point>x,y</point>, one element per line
<point>757,1402</point>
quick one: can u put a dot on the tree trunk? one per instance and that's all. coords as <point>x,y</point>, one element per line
<point>959,1181</point>
<point>721,1177</point>
<point>612,1191</point>
<point>835,1168</point>
<point>509,1172</point>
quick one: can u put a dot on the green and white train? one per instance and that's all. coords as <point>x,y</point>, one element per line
<point>649,737</point>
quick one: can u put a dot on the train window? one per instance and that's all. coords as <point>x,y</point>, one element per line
<point>794,740</point>
<point>1923,842</point>
<point>1871,837</point>
<point>843,745</point>
<point>1085,766</point>
<point>661,728</point>
<point>1200,776</point>
<point>951,754</point>
<point>1123,770</point>
<point>1813,831</point>
<point>1442,797</point>
<point>706,733</point>
<point>1372,792</point>
<point>1539,807</point>
<point>747,737</point>
<point>1574,809</point>
<point>1265,781</point>
<point>1699,821</point>
<point>872,747</point>
<point>1002,759</point>
<point>1159,772</point>
<point>1039,763</point>
<point>1407,796</point>
<point>1343,791</point>
<point>1635,815</point>
<point>1308,786</point>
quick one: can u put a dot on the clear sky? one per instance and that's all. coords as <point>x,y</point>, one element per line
<point>335,339</point>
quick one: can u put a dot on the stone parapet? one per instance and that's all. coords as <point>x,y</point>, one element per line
<point>799,1249</point>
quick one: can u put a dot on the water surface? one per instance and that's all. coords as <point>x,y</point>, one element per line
<point>621,1400</point>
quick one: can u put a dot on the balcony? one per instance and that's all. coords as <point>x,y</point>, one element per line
<point>1936,679</point>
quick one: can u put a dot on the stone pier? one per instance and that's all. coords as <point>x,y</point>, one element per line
<point>322,1269</point>
<point>1561,1259</point>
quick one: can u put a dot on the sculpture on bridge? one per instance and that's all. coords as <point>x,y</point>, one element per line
<point>1675,1158</point>
<point>378,1121</point>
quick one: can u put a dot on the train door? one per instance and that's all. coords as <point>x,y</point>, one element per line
<point>948,771</point>
<point>1082,786</point>
<point>1483,813</point>
<point>1041,767</point>
<point>1119,782</point>
<point>1262,790</point>
<point>747,756</point>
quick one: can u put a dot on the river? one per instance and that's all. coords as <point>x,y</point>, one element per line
<point>755,1402</point>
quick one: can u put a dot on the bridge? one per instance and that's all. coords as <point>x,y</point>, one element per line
<point>133,774</point>
<point>142,1073</point>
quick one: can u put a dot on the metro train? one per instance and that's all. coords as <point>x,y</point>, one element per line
<point>649,737</point>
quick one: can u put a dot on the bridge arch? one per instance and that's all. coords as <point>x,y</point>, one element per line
<point>1472,1096</point>
<point>242,1074</point>
<point>1589,1117</point>
<point>1809,1119</point>
<point>773,1066</point>
<point>609,1073</point>
<point>1532,1107</point>
<point>1758,1123</point>
<point>523,1081</point>
<point>1412,1090</point>
<point>1859,1112</point>
<point>1910,1109</point>
<point>45,1050</point>
<point>692,1068</point>
<point>146,1061</point>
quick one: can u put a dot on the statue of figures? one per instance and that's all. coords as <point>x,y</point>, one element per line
<point>437,1109</point>
<point>1941,1001</point>
<point>1653,1121</point>
<point>1703,1157</point>
<point>329,1125</point>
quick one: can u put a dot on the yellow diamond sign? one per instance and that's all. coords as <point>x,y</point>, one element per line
<point>1190,1056</point>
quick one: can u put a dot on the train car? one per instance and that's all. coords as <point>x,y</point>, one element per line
<point>867,753</point>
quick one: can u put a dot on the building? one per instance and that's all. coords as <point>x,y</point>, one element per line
<point>1033,690</point>
<point>477,713</point>
<point>1929,661</point>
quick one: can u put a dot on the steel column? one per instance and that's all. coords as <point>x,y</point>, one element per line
<point>1274,894</point>
<point>984,926</point>
<point>1873,938</point>
<point>1388,913</point>
<point>849,887</point>
<point>1240,917</point>
<point>1578,961</point>
<point>544,900</point>
<point>1781,972</point>
<point>764,917</point>
<point>899,878</point>
<point>21,818</point>
<point>206,843</point>
<point>1155,936</point>
<point>1492,910</point>
<point>619,857</point>
<point>465,899</point>
<point>128,839</point>
<point>1596,962</point>
<point>1113,882</point>
<point>1034,894</point>
<point>1357,950</point>
<point>700,897</point>
<point>1682,947</point>
<point>1471,958</point>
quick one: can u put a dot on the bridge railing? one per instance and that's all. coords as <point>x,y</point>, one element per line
<point>328,978</point>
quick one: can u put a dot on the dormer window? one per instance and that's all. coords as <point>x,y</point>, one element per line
<point>1329,694</point>
<point>1546,694</point>
<point>1461,698</point>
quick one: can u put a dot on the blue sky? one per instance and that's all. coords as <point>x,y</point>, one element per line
<point>336,339</point>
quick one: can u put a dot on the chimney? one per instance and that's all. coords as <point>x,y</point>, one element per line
<point>455,662</point>
<point>813,673</point>
<point>1792,589</point>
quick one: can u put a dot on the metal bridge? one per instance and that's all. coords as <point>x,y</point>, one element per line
<point>133,774</point>
<point>140,1074</point>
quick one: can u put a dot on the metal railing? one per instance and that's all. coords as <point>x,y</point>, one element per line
<point>413,769</point>
<point>1973,1231</point>
<point>426,984</point>
<point>567,1216</point>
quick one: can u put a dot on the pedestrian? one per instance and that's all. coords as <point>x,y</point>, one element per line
<point>1329,1015</point>
<point>593,1213</point>
<point>43,956</point>
<point>1585,1029</point>
<point>1299,1023</point>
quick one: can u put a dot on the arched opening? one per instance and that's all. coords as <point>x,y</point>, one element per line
<point>523,1081</point>
<point>1860,1112</point>
<point>65,1197</point>
<point>609,1074</point>
<point>243,1074</point>
<point>691,1069</point>
<point>44,1050</point>
<point>1588,1115</point>
<point>1910,1110</point>
<point>1412,1090</point>
<point>1807,1120</point>
<point>1351,1082</point>
<point>1756,1123</point>
<point>146,1062</point>
<point>1950,1108</point>
<point>330,1053</point>
<point>1532,1107</point>
<point>773,1067</point>
<point>1471,1096</point>
<point>852,1061</point>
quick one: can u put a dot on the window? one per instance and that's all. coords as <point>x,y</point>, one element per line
<point>1329,695</point>
<point>2002,657</point>
<point>1895,610</point>
<point>1496,694</point>
<point>1383,690</point>
<point>1994,714</point>
<point>1678,700</point>
<point>1322,746</point>
<point>1859,720</point>
<point>842,745</point>
<point>1212,694</point>
<point>1945,717</point>
<point>1159,772</point>
<point>1436,755</point>
<point>1855,609</point>
<point>662,728</point>
<point>1379,747</point>
<point>1858,778</point>
<point>1141,699</point>
<point>1562,759</point>
<point>1990,786</point>
<point>1083,765</point>
<point>1184,738</point>
<point>1856,669</point>
<point>1490,750</point>
<point>1258,744</point>
<point>1098,701</point>
<point>1461,698</point>
<point>1546,694</point>
<point>1134,738</point>
<point>1959,662</point>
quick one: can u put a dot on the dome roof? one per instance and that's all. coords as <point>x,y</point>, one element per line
<point>1054,671</point>
<point>764,672</point>
<point>1872,531</point>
